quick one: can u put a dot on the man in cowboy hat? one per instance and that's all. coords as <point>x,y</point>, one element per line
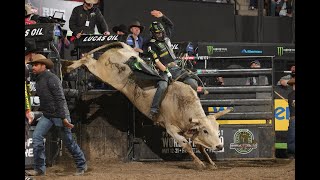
<point>85,17</point>
<point>122,31</point>
<point>54,108</point>
<point>135,40</point>
<point>257,80</point>
<point>292,125</point>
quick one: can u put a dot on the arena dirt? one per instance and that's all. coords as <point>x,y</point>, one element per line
<point>116,170</point>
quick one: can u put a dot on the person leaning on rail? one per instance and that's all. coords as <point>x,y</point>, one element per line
<point>122,31</point>
<point>284,79</point>
<point>135,39</point>
<point>255,80</point>
<point>85,17</point>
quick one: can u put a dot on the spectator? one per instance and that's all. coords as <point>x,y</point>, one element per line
<point>54,108</point>
<point>30,17</point>
<point>284,79</point>
<point>84,18</point>
<point>284,8</point>
<point>292,127</point>
<point>220,80</point>
<point>135,39</point>
<point>272,7</point>
<point>162,55</point>
<point>122,32</point>
<point>253,4</point>
<point>253,81</point>
<point>121,29</point>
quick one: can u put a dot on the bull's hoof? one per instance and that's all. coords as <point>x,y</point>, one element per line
<point>212,167</point>
<point>200,166</point>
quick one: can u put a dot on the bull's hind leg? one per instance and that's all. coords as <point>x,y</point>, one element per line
<point>173,131</point>
<point>206,157</point>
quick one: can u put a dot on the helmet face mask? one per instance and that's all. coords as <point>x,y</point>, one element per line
<point>157,31</point>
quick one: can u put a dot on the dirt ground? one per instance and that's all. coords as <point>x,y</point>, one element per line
<point>283,169</point>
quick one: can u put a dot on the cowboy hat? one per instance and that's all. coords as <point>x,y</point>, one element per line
<point>256,62</point>
<point>121,27</point>
<point>28,9</point>
<point>136,24</point>
<point>91,1</point>
<point>39,58</point>
<point>292,81</point>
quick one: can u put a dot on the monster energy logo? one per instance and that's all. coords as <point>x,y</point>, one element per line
<point>211,50</point>
<point>281,50</point>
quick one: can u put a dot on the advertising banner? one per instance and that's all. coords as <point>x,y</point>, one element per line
<point>246,49</point>
<point>281,114</point>
<point>240,141</point>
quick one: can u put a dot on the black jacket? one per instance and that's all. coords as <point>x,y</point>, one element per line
<point>79,17</point>
<point>52,100</point>
<point>161,50</point>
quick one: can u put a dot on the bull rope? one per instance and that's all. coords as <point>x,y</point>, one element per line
<point>280,96</point>
<point>205,91</point>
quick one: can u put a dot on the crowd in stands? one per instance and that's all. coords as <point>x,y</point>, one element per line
<point>282,8</point>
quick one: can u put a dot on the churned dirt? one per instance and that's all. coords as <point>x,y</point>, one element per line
<point>234,170</point>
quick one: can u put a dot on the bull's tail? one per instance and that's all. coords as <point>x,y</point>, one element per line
<point>221,113</point>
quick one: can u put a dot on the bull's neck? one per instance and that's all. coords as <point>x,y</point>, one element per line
<point>137,96</point>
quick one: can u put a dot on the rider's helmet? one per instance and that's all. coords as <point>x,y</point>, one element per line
<point>157,31</point>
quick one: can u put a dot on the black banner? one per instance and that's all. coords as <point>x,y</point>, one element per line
<point>246,49</point>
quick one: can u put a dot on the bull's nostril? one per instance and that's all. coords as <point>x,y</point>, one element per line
<point>219,147</point>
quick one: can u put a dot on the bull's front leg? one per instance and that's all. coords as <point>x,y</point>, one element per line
<point>206,157</point>
<point>173,131</point>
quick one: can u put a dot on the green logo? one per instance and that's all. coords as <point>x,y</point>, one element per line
<point>280,51</point>
<point>210,50</point>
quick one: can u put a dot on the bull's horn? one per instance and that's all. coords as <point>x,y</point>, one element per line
<point>194,120</point>
<point>221,113</point>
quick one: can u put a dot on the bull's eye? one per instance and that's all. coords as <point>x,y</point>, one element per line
<point>205,131</point>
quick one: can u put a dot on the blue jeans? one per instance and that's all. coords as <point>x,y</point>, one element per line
<point>43,126</point>
<point>291,136</point>
<point>162,86</point>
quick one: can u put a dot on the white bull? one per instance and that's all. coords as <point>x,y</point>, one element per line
<point>181,112</point>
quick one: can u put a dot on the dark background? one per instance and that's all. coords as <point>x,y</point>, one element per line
<point>201,21</point>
